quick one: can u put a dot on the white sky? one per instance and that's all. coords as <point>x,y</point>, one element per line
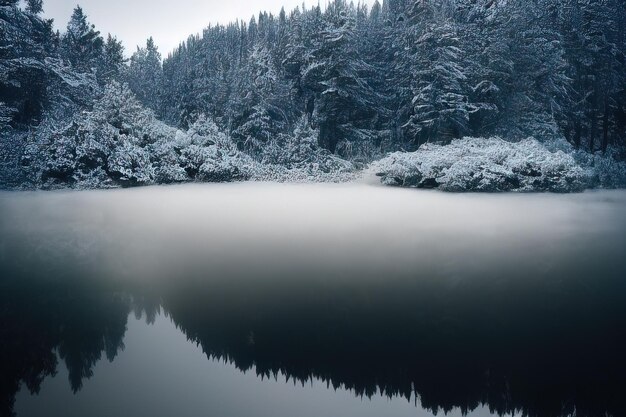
<point>168,22</point>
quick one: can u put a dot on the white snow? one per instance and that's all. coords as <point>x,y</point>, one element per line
<point>493,164</point>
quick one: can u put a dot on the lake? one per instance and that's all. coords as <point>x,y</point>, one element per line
<point>258,299</point>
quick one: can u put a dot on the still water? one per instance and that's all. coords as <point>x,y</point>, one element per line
<point>260,299</point>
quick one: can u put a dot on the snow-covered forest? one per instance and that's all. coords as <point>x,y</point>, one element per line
<point>486,94</point>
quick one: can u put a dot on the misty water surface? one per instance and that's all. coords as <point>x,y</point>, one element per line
<point>216,299</point>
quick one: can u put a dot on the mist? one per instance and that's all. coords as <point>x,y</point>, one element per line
<point>259,228</point>
<point>434,301</point>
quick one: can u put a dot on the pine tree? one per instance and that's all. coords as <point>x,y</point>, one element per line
<point>30,72</point>
<point>113,59</point>
<point>145,75</point>
<point>337,82</point>
<point>81,44</point>
<point>410,71</point>
<point>34,6</point>
<point>600,67</point>
<point>265,102</point>
<point>441,105</point>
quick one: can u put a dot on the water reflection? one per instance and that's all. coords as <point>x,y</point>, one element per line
<point>541,332</point>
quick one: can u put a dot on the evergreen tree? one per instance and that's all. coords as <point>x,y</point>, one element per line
<point>32,78</point>
<point>338,81</point>
<point>34,6</point>
<point>81,44</point>
<point>441,105</point>
<point>113,59</point>
<point>145,75</point>
<point>265,102</point>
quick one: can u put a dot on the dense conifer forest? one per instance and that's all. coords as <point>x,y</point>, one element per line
<point>320,93</point>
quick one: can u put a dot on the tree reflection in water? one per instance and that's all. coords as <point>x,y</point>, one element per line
<point>513,347</point>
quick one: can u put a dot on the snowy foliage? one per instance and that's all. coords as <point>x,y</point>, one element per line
<point>319,92</point>
<point>34,6</point>
<point>144,74</point>
<point>81,44</point>
<point>120,142</point>
<point>493,164</point>
<point>440,103</point>
<point>410,72</point>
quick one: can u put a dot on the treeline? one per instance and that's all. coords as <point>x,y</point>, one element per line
<point>364,80</point>
<point>406,72</point>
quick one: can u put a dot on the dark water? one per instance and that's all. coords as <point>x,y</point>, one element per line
<point>311,300</point>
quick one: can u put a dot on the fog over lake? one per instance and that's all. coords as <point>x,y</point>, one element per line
<point>374,301</point>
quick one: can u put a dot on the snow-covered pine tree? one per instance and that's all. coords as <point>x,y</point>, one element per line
<point>32,77</point>
<point>498,67</point>
<point>145,75</point>
<point>265,102</point>
<point>440,104</point>
<point>113,61</point>
<point>337,81</point>
<point>82,44</point>
<point>34,6</point>
<point>599,66</point>
<point>534,86</point>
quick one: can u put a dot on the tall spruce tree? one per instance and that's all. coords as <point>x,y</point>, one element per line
<point>145,75</point>
<point>82,44</point>
<point>113,59</point>
<point>34,6</point>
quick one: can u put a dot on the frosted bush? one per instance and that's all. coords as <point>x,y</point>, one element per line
<point>130,164</point>
<point>120,142</point>
<point>493,164</point>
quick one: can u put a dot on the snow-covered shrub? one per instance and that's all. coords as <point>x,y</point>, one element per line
<point>130,164</point>
<point>292,150</point>
<point>203,153</point>
<point>480,164</point>
<point>97,148</point>
<point>299,155</point>
<point>120,142</point>
<point>609,169</point>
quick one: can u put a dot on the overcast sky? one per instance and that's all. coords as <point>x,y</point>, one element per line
<point>168,21</point>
